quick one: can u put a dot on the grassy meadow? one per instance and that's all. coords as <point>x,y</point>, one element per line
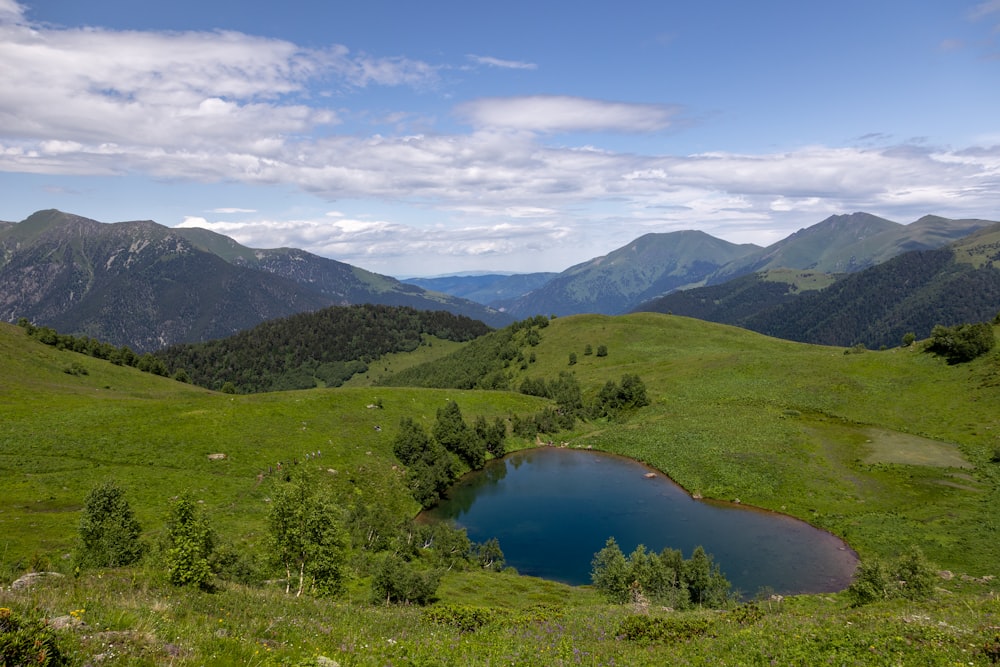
<point>886,449</point>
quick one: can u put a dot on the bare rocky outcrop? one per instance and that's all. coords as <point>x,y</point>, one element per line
<point>28,580</point>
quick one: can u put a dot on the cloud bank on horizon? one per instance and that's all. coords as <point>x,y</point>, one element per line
<point>530,150</point>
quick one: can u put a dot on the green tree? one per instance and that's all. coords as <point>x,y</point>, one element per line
<point>609,572</point>
<point>395,580</point>
<point>492,436</point>
<point>705,582</point>
<point>872,582</point>
<point>109,532</point>
<point>615,399</point>
<point>602,350</point>
<point>430,469</point>
<point>572,358</point>
<point>308,540</point>
<point>963,342</point>
<point>489,556</point>
<point>451,431</point>
<point>190,544</point>
<point>565,391</point>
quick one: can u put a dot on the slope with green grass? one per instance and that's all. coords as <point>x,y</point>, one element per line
<point>887,449</point>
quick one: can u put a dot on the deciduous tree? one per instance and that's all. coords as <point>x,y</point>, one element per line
<point>309,542</point>
<point>109,532</point>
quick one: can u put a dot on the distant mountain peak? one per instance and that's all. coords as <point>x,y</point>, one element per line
<point>145,285</point>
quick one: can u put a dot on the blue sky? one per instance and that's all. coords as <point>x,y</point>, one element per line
<point>428,138</point>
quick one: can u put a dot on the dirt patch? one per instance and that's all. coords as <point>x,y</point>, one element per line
<point>895,447</point>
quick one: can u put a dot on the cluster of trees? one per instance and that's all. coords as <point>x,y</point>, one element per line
<point>962,342</point>
<point>327,346</point>
<point>485,363</point>
<point>120,356</point>
<point>664,578</point>
<point>433,460</point>
<point>613,401</point>
<point>565,391</point>
<point>314,541</point>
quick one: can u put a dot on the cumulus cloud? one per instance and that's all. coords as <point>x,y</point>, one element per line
<point>392,247</point>
<point>229,107</point>
<point>564,113</point>
<point>168,90</point>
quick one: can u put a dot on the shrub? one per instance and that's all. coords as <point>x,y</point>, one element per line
<point>910,576</point>
<point>462,617</point>
<point>27,641</point>
<point>663,628</point>
<point>963,342</point>
<point>397,581</point>
<point>189,545</point>
<point>109,531</point>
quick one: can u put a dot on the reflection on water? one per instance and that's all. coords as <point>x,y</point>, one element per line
<point>552,509</point>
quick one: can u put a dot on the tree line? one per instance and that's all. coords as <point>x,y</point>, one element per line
<point>326,347</point>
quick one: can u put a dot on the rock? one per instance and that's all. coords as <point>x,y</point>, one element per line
<point>30,579</point>
<point>216,457</point>
<point>323,661</point>
<point>650,475</point>
<point>67,622</point>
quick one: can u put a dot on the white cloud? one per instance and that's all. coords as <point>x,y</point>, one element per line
<point>396,248</point>
<point>165,90</point>
<point>564,113</point>
<point>228,107</point>
<point>11,11</point>
<point>501,63</point>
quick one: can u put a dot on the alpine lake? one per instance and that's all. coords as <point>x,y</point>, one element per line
<point>553,508</point>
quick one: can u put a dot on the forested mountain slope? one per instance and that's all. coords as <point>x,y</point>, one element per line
<point>910,293</point>
<point>147,286</point>
<point>324,347</point>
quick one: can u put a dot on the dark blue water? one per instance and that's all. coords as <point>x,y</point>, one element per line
<point>552,509</point>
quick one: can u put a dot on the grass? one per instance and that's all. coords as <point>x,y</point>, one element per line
<point>886,449</point>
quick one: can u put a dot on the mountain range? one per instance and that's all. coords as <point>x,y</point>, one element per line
<point>876,307</point>
<point>658,264</point>
<point>148,286</point>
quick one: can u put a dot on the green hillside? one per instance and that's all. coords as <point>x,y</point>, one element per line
<point>887,449</point>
